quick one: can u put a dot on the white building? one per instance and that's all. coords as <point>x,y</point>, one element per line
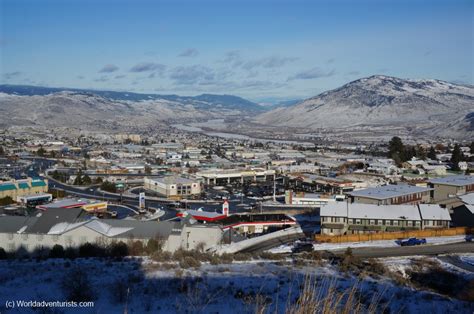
<point>173,186</point>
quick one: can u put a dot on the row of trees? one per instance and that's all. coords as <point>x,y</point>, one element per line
<point>113,249</point>
<point>401,153</point>
<point>82,179</point>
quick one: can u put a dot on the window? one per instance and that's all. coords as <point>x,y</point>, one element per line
<point>372,222</point>
<point>380,222</point>
<point>10,236</point>
<point>395,222</point>
<point>39,237</point>
<point>409,223</point>
<point>351,221</point>
<point>417,223</point>
<point>358,222</point>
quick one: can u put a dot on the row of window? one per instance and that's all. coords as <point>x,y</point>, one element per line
<point>372,222</point>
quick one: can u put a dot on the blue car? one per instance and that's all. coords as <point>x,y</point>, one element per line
<point>469,238</point>
<point>411,242</point>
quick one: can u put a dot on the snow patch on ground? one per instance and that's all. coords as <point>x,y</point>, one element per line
<point>227,288</point>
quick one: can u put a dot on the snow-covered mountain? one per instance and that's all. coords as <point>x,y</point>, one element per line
<point>90,111</point>
<point>422,106</point>
<point>22,106</point>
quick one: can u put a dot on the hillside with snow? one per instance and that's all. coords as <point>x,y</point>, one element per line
<point>85,110</point>
<point>420,106</point>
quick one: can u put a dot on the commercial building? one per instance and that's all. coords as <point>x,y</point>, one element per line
<point>173,186</point>
<point>310,199</point>
<point>16,188</point>
<point>353,218</point>
<point>68,228</point>
<point>85,204</point>
<point>315,183</point>
<point>392,195</point>
<point>227,176</point>
<point>447,187</point>
<point>34,199</point>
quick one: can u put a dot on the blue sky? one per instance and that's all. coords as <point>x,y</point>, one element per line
<point>256,49</point>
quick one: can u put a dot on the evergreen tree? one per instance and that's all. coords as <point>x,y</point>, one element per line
<point>420,152</point>
<point>472,147</point>
<point>396,150</point>
<point>408,153</point>
<point>86,180</point>
<point>432,153</point>
<point>41,152</point>
<point>2,151</point>
<point>78,179</point>
<point>456,157</point>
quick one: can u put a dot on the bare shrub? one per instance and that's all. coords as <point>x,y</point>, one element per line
<point>242,257</point>
<point>161,256</point>
<point>76,286</point>
<point>324,297</point>
<point>188,262</point>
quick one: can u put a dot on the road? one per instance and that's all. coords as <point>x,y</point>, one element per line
<point>456,261</point>
<point>377,252</point>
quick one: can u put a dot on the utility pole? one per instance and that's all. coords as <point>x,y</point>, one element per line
<point>274,188</point>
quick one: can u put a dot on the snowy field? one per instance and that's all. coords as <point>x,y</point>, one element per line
<point>231,288</point>
<point>382,243</point>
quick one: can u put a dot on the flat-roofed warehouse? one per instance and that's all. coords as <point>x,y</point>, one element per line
<point>443,188</point>
<point>392,195</point>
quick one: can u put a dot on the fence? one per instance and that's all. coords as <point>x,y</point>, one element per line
<point>394,235</point>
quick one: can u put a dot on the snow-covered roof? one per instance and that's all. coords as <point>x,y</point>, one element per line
<point>63,227</point>
<point>106,229</point>
<point>338,209</point>
<point>434,212</point>
<point>389,191</point>
<point>459,180</point>
<point>370,211</point>
<point>467,198</point>
<point>93,224</point>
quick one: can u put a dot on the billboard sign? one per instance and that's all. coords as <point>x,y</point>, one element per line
<point>141,200</point>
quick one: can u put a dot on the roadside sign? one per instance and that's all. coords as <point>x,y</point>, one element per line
<point>141,200</point>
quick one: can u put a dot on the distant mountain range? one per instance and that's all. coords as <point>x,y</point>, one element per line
<point>429,107</point>
<point>204,101</point>
<point>383,104</point>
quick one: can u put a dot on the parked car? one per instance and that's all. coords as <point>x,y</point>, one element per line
<point>411,242</point>
<point>469,238</point>
<point>302,246</point>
